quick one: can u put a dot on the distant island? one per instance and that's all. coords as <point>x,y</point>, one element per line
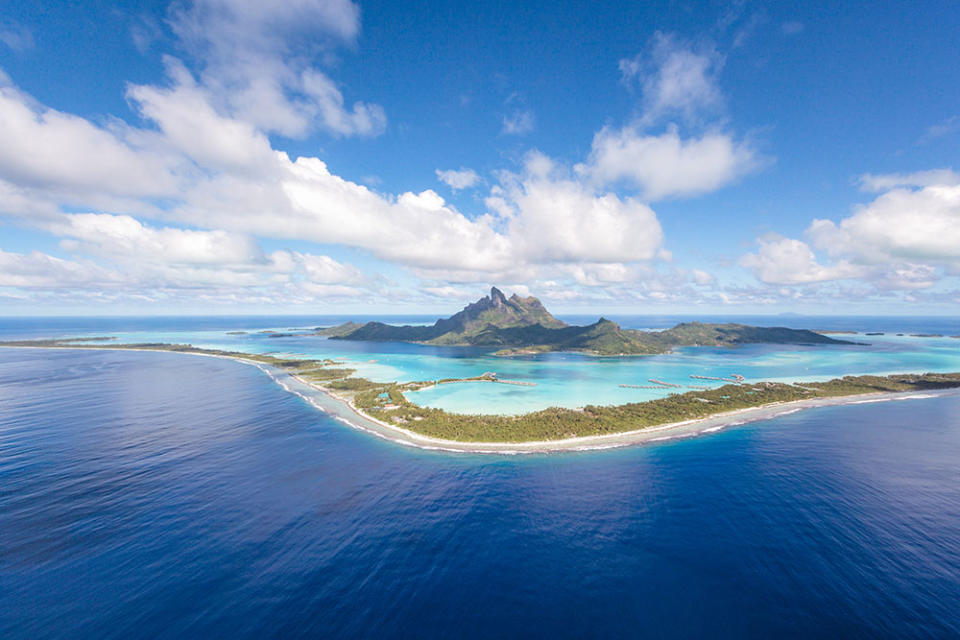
<point>383,409</point>
<point>521,326</point>
<point>518,325</point>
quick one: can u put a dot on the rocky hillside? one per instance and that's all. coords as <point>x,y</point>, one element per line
<point>523,325</point>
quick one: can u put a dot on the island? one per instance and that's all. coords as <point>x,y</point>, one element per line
<point>522,326</point>
<point>383,409</point>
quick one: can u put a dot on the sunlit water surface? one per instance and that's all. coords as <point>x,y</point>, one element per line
<point>168,496</point>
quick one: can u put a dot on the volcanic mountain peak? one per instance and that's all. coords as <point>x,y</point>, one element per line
<point>524,324</point>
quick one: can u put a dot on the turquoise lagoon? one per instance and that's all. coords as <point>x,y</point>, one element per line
<point>574,380</point>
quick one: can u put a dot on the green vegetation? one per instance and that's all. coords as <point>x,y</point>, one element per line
<point>386,401</point>
<point>558,423</point>
<point>723,335</point>
<point>326,373</point>
<point>521,326</point>
<point>358,384</point>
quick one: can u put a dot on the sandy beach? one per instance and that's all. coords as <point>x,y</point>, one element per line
<point>346,412</point>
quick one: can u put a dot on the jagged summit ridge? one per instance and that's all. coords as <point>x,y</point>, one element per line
<point>524,325</point>
<point>496,310</point>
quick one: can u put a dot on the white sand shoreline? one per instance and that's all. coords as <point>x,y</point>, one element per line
<point>345,411</point>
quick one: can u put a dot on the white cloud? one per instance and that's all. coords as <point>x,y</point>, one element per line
<point>326,270</point>
<point>192,126</point>
<point>556,218</point>
<point>904,239</point>
<point>593,274</point>
<point>217,173</point>
<point>458,179</point>
<point>786,261</point>
<point>675,79</point>
<point>361,119</point>
<point>125,237</point>
<point>290,277</point>
<point>212,24</point>
<point>887,181</point>
<point>538,218</point>
<point>311,203</point>
<point>24,202</point>
<point>48,149</point>
<point>256,58</point>
<point>906,276</point>
<point>702,277</point>
<point>447,292</point>
<point>41,270</point>
<point>518,123</point>
<point>666,165</point>
<point>239,186</point>
<point>238,182</point>
<point>912,225</point>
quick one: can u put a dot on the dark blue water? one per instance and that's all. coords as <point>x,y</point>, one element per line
<point>168,496</point>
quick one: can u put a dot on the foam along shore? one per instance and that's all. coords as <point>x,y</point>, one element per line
<point>345,410</point>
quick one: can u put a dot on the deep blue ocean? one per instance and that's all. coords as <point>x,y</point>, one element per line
<point>168,496</point>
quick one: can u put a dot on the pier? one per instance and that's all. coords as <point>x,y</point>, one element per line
<point>488,376</point>
<point>643,386</point>
<point>736,378</point>
<point>662,383</point>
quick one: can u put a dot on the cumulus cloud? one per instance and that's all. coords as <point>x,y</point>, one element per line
<point>458,179</point>
<point>675,78</point>
<point>678,83</point>
<point>323,269</point>
<point>205,162</point>
<point>666,165</point>
<point>918,225</point>
<point>904,239</point>
<point>36,269</point>
<point>238,182</point>
<point>309,202</point>
<point>557,218</point>
<point>594,275</point>
<point>121,236</point>
<point>190,124</point>
<point>220,174</point>
<point>787,261</point>
<point>49,149</point>
<point>256,57</point>
<point>290,277</point>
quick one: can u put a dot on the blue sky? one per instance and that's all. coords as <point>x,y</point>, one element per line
<point>224,156</point>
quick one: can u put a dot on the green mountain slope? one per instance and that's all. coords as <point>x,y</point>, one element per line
<point>721,335</point>
<point>522,325</point>
<point>492,311</point>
